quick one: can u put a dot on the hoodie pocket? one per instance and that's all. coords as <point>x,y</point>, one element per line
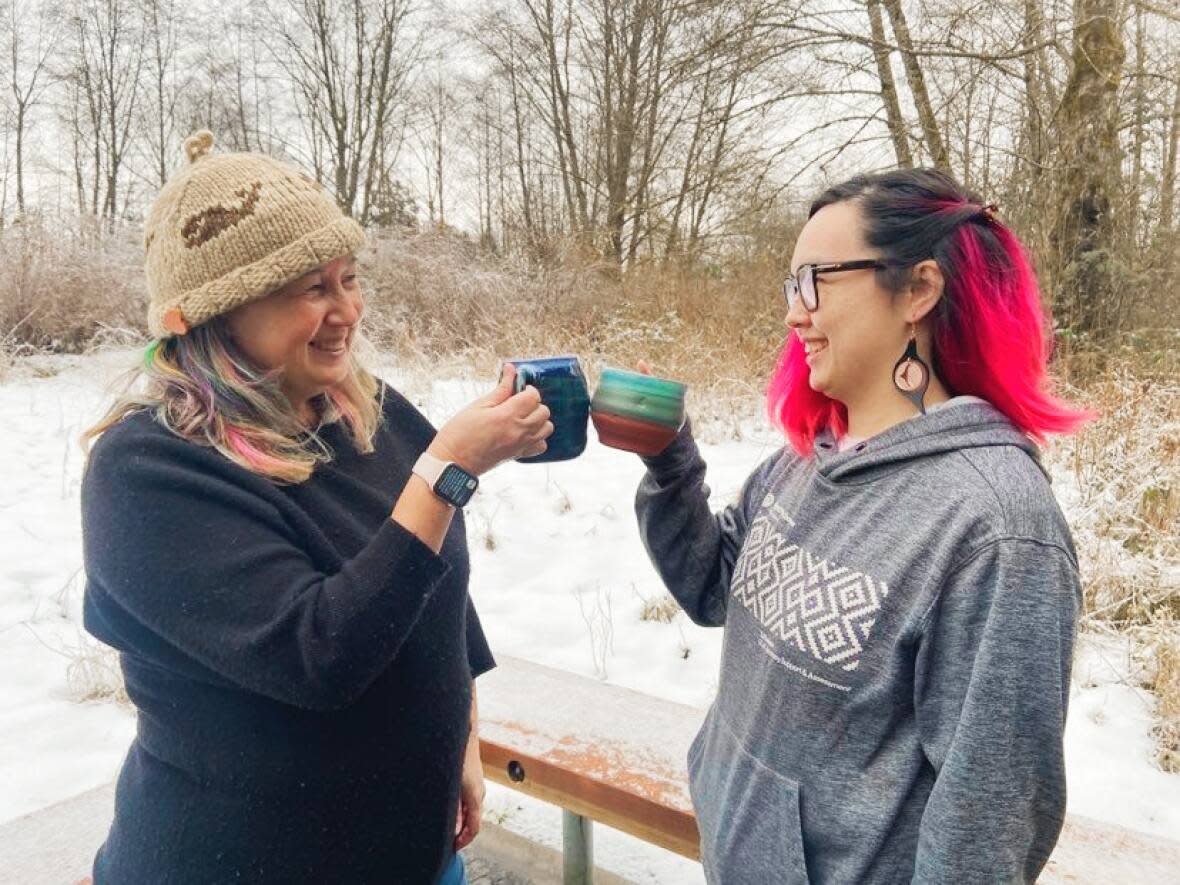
<point>748,814</point>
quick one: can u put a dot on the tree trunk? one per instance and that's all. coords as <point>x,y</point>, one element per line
<point>1034,98</point>
<point>1139,134</point>
<point>914,76</point>
<point>1168,180</point>
<point>622,131</point>
<point>20,160</point>
<point>1089,174</point>
<point>893,116</point>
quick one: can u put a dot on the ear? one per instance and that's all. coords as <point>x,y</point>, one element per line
<point>926,288</point>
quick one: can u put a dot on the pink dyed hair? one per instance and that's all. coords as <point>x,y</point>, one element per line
<point>989,329</point>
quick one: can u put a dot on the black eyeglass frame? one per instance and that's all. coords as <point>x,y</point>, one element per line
<point>807,274</point>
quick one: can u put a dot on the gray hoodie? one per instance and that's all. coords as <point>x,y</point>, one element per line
<point>899,623</point>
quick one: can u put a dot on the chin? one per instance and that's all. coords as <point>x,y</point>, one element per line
<point>819,384</point>
<point>328,380</point>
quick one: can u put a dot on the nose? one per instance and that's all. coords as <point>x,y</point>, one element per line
<point>348,305</point>
<point>797,315</point>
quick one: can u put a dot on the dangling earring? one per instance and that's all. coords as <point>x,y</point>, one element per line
<point>911,376</point>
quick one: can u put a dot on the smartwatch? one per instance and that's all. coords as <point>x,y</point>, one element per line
<point>446,479</point>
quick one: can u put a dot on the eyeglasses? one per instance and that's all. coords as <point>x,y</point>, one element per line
<point>801,286</point>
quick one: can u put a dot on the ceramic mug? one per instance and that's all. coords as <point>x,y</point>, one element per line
<point>636,412</point>
<point>562,386</point>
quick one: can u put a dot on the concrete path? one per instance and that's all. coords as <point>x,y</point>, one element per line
<point>54,846</point>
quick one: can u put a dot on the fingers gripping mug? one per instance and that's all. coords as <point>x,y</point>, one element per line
<point>562,386</point>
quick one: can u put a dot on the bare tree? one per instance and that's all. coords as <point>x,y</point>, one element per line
<point>1036,85</point>
<point>648,129</point>
<point>351,63</point>
<point>437,106</point>
<point>917,81</point>
<point>164,23</point>
<point>30,38</point>
<point>232,87</point>
<point>1168,179</point>
<point>638,113</point>
<point>893,115</point>
<point>105,74</point>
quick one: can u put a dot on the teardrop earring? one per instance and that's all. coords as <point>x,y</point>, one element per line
<point>911,376</point>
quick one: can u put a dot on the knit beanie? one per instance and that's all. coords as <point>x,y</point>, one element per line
<point>229,228</point>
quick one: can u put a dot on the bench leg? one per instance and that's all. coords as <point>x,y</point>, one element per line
<point>577,849</point>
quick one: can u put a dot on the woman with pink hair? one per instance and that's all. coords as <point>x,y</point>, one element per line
<point>898,588</point>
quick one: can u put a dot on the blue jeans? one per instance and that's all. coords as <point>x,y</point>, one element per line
<point>456,873</point>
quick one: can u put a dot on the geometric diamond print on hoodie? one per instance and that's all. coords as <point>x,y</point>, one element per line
<point>824,610</point>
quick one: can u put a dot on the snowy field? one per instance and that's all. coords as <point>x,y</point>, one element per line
<point>582,611</point>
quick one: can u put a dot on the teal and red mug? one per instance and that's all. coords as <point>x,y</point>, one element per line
<point>636,412</point>
<point>562,386</point>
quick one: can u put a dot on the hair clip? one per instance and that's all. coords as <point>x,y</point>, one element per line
<point>991,210</point>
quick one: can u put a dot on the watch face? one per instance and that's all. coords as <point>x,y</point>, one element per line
<point>456,485</point>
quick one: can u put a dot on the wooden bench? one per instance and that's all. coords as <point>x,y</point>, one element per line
<point>606,754</point>
<point>599,752</point>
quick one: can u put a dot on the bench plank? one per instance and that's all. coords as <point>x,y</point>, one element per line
<point>628,810</point>
<point>608,753</point>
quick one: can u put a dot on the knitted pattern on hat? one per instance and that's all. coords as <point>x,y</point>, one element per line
<point>229,228</point>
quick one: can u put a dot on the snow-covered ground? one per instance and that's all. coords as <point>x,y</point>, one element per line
<point>580,611</point>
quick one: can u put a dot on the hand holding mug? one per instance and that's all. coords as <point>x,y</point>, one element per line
<point>495,428</point>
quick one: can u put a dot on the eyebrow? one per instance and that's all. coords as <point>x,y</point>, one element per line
<point>308,279</point>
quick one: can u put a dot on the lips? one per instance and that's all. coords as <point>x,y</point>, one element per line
<point>331,348</point>
<point>814,345</point>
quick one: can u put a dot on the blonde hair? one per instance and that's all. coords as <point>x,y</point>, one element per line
<point>205,390</point>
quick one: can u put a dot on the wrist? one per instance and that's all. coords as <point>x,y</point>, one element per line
<point>445,452</point>
<point>431,494</point>
<point>472,749</point>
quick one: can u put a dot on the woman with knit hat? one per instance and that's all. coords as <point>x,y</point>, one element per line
<point>274,542</point>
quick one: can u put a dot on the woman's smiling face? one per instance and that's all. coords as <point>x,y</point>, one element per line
<point>859,329</point>
<point>305,330</point>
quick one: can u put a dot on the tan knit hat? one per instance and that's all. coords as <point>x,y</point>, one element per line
<point>229,228</point>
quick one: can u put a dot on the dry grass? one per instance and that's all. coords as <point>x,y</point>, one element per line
<point>433,297</point>
<point>1166,685</point>
<point>662,609</point>
<point>1124,503</point>
<point>64,290</point>
<point>94,674</point>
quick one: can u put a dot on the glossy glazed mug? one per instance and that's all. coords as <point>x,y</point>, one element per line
<point>562,386</point>
<point>636,412</point>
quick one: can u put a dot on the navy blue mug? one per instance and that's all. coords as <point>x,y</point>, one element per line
<point>563,389</point>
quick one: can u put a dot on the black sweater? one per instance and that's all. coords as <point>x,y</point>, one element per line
<point>301,664</point>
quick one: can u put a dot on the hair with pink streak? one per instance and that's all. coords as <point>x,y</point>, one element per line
<point>989,329</point>
<point>203,388</point>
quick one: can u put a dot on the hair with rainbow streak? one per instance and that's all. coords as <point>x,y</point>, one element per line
<point>989,327</point>
<point>204,389</point>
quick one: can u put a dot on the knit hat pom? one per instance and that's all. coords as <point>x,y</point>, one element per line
<point>198,145</point>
